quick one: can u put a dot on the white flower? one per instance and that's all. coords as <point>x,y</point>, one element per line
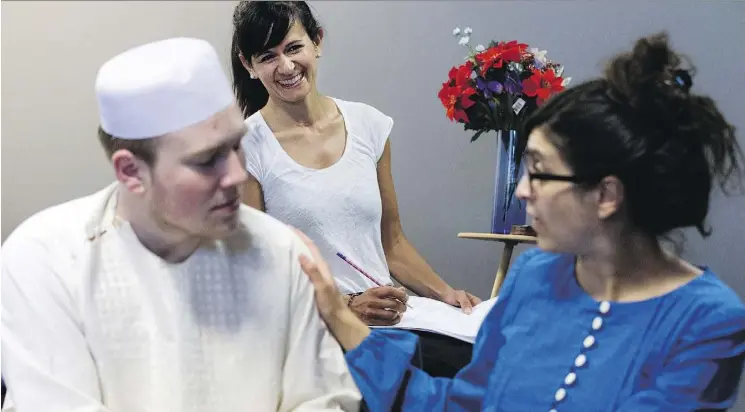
<point>480,48</point>
<point>540,55</point>
<point>467,31</point>
<point>566,81</point>
<point>515,67</point>
<point>456,31</point>
<point>559,71</point>
<point>464,40</point>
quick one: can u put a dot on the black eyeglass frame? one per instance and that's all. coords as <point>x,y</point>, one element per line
<point>557,178</point>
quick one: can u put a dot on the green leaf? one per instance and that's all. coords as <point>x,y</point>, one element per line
<point>476,136</point>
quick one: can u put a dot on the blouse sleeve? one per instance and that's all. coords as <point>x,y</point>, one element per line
<point>704,371</point>
<point>381,365</point>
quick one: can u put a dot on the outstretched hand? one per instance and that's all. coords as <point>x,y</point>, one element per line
<point>328,298</point>
<point>341,321</point>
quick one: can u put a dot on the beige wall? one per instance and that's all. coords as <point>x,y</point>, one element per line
<point>51,51</point>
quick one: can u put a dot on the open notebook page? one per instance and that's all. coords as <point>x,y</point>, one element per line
<point>439,317</point>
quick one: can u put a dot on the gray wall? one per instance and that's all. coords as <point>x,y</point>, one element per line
<point>393,55</point>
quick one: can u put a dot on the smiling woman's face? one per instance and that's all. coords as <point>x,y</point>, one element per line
<point>288,71</point>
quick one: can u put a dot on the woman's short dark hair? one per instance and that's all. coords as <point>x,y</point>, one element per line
<point>257,27</point>
<point>642,123</point>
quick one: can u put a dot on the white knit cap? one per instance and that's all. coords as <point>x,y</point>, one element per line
<point>161,87</point>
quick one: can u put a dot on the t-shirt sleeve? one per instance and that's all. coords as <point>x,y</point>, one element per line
<point>252,148</point>
<point>379,126</point>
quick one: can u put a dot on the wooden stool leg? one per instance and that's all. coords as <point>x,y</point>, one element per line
<point>504,264</point>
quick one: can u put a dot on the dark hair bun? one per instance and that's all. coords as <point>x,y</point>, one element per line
<point>643,123</point>
<point>650,80</point>
<point>682,133</point>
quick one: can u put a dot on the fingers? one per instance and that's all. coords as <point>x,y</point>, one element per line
<point>390,304</point>
<point>474,299</point>
<point>388,292</point>
<point>311,269</point>
<point>405,295</point>
<point>463,301</point>
<point>379,317</point>
<point>392,322</point>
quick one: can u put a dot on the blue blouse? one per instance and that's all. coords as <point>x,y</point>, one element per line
<point>547,345</point>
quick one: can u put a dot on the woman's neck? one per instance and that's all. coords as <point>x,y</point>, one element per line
<point>632,267</point>
<point>304,113</point>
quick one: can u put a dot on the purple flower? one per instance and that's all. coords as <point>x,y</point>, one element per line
<point>512,84</point>
<point>489,88</point>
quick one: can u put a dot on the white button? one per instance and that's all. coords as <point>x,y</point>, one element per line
<point>597,323</point>
<point>580,361</point>
<point>589,341</point>
<point>570,379</point>
<point>553,410</point>
<point>604,307</point>
<point>560,394</point>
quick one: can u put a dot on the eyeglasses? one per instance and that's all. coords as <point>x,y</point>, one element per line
<point>553,177</point>
<point>532,177</point>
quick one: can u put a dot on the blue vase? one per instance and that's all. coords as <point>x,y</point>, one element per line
<point>508,210</point>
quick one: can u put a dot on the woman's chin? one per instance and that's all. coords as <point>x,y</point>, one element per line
<point>545,244</point>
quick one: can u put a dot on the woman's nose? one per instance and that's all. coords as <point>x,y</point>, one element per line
<point>523,187</point>
<point>286,65</point>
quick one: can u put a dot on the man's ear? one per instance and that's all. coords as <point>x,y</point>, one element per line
<point>131,171</point>
<point>611,196</point>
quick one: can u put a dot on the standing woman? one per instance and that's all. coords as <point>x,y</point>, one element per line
<point>323,165</point>
<point>600,317</point>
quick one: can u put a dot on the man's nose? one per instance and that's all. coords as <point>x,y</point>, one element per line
<point>236,173</point>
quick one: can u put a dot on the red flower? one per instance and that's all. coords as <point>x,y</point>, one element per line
<point>542,85</point>
<point>461,75</point>
<point>456,100</point>
<point>513,51</point>
<point>495,56</point>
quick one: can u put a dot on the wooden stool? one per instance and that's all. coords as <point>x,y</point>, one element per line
<point>509,243</point>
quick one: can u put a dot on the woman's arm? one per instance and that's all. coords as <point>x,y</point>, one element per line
<point>380,360</point>
<point>253,195</point>
<point>405,263</point>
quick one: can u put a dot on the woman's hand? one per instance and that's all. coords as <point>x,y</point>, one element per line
<point>461,299</point>
<point>346,327</point>
<point>380,306</point>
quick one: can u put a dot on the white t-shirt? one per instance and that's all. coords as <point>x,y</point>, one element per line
<point>92,320</point>
<point>338,207</point>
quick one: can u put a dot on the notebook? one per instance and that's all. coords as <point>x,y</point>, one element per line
<point>434,316</point>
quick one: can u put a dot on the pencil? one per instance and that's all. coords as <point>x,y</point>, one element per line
<point>372,279</point>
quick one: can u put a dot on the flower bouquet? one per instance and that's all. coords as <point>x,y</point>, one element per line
<point>495,89</point>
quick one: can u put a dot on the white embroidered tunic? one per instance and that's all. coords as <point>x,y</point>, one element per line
<point>93,321</point>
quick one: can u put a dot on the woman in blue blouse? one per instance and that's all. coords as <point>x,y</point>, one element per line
<point>600,317</point>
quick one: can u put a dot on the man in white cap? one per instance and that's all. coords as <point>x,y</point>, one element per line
<point>162,292</point>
